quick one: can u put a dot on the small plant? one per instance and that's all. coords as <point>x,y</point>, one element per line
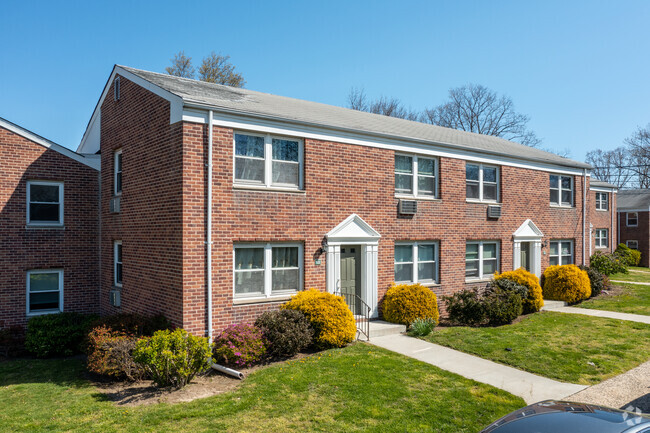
<point>110,353</point>
<point>59,334</point>
<point>465,308</point>
<point>173,358</point>
<point>239,345</point>
<point>627,255</point>
<point>566,283</point>
<point>597,281</point>
<point>403,303</point>
<point>422,327</point>
<point>134,324</point>
<point>502,307</point>
<point>534,301</point>
<point>329,316</point>
<point>286,332</point>
<point>607,263</point>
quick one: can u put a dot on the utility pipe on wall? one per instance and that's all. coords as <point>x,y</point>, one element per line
<point>208,243</point>
<point>584,213</point>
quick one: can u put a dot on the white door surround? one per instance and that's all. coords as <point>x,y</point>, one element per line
<point>354,231</point>
<point>528,232</point>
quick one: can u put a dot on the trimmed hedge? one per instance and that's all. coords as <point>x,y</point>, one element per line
<point>286,332</point>
<point>534,301</point>
<point>60,334</point>
<point>566,283</point>
<point>404,303</point>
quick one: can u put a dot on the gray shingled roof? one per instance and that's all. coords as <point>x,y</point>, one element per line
<point>602,184</point>
<point>244,101</point>
<point>633,199</point>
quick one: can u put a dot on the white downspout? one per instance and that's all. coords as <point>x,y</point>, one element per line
<point>584,212</point>
<point>208,242</point>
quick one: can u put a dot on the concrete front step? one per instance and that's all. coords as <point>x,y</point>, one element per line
<point>553,305</point>
<point>379,328</point>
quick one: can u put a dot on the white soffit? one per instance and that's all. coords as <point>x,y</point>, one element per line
<point>351,229</point>
<point>528,230</point>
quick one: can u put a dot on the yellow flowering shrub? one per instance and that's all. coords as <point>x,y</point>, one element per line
<point>403,303</point>
<point>329,315</point>
<point>566,283</point>
<point>534,301</point>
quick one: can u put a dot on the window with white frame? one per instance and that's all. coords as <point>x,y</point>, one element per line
<point>44,291</point>
<point>632,219</point>
<point>481,259</point>
<point>117,263</point>
<point>632,244</point>
<point>482,182</point>
<point>602,201</point>
<point>265,270</point>
<point>415,176</point>
<point>561,190</point>
<point>601,238</point>
<point>561,252</point>
<point>416,262</point>
<point>117,165</point>
<point>44,203</point>
<point>269,161</point>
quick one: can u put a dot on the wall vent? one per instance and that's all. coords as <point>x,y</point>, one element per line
<point>115,204</point>
<point>116,298</point>
<point>494,212</point>
<point>408,207</point>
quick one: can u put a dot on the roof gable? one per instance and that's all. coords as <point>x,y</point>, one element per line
<point>528,230</point>
<point>352,228</point>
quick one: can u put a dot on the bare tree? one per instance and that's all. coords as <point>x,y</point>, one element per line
<point>181,66</point>
<point>392,107</point>
<point>476,108</point>
<point>638,146</point>
<point>217,69</point>
<point>611,166</point>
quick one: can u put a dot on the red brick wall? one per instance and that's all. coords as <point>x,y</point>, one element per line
<point>602,220</point>
<point>640,233</point>
<point>72,248</point>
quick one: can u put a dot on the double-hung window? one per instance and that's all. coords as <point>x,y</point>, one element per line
<point>267,161</point>
<point>632,244</point>
<point>44,203</point>
<point>602,201</point>
<point>266,270</point>
<point>561,190</point>
<point>44,291</point>
<point>482,182</point>
<point>415,176</point>
<point>632,219</point>
<point>416,262</point>
<point>481,259</point>
<point>601,238</point>
<point>117,263</point>
<point>117,172</point>
<point>561,252</point>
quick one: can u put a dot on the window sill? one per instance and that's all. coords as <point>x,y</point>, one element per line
<point>562,206</point>
<point>267,188</point>
<point>602,210</point>
<point>269,300</point>
<point>43,313</point>
<point>420,198</point>
<point>632,226</point>
<point>478,280</point>
<point>602,248</point>
<point>425,284</point>
<point>471,200</point>
<point>45,226</point>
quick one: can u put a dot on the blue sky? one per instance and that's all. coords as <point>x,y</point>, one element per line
<point>580,70</point>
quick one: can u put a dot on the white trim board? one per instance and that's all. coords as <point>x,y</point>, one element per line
<point>603,189</point>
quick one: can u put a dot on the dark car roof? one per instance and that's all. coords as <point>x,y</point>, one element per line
<point>566,417</point>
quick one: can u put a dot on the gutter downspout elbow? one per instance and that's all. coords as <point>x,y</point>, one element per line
<point>208,243</point>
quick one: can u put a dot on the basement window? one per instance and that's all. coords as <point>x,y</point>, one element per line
<point>44,203</point>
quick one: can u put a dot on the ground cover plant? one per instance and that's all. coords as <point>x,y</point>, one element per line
<point>382,391</point>
<point>567,347</point>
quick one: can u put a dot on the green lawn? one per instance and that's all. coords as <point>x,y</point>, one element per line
<point>634,299</point>
<point>567,347</point>
<point>359,388</point>
<point>636,274</point>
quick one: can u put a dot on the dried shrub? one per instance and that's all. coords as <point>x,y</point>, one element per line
<point>566,283</point>
<point>110,353</point>
<point>403,303</point>
<point>286,332</point>
<point>239,345</point>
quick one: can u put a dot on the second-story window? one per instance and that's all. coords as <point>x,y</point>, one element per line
<point>632,219</point>
<point>268,161</point>
<point>118,172</point>
<point>482,182</point>
<point>561,190</point>
<point>415,176</point>
<point>44,203</point>
<point>117,263</point>
<point>602,201</point>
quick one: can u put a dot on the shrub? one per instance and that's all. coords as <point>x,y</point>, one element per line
<point>596,280</point>
<point>465,308</point>
<point>403,303</point>
<point>422,327</point>
<point>286,332</point>
<point>134,324</point>
<point>172,358</point>
<point>110,353</point>
<point>502,307</point>
<point>57,334</point>
<point>12,340</point>
<point>534,301</point>
<point>627,255</point>
<point>239,346</point>
<point>566,283</point>
<point>607,264</point>
<point>506,285</point>
<point>329,316</point>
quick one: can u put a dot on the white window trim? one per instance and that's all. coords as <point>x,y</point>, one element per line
<point>268,271</point>
<point>480,183</point>
<point>268,163</point>
<point>115,262</point>
<point>627,243</point>
<point>599,239</point>
<point>115,172</point>
<point>414,177</point>
<point>627,219</point>
<point>415,261</point>
<point>45,223</point>
<point>45,271</point>
<point>482,276</point>
<point>559,190</point>
<point>559,251</point>
<point>600,201</point>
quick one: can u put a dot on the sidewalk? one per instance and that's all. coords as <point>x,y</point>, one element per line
<point>630,282</point>
<point>640,318</point>
<point>530,387</point>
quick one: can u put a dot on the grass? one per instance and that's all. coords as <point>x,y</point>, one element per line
<point>355,389</point>
<point>635,298</point>
<point>567,347</point>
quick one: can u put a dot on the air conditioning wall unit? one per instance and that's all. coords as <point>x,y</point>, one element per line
<point>408,207</point>
<point>494,211</point>
<point>115,204</point>
<point>116,298</point>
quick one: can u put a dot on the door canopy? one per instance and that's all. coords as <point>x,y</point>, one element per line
<point>528,231</point>
<point>353,229</point>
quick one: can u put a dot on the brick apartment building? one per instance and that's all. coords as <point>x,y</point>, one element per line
<point>301,195</point>
<point>634,221</point>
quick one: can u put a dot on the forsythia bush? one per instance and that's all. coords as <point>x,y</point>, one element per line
<point>566,283</point>
<point>534,301</point>
<point>110,353</point>
<point>404,303</point>
<point>173,358</point>
<point>239,345</point>
<point>329,315</point>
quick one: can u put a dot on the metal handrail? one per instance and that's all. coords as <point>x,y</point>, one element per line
<point>361,312</point>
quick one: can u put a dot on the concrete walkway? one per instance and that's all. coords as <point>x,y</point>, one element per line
<point>631,282</point>
<point>640,318</point>
<point>530,387</point>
